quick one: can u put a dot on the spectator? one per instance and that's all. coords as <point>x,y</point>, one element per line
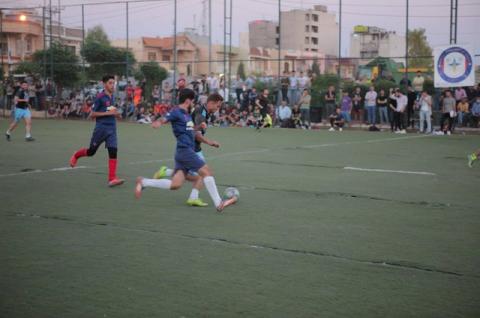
<point>285,83</point>
<point>293,88</point>
<point>411,97</point>
<point>462,111</point>
<point>448,112</point>
<point>239,88</point>
<point>357,104</point>
<point>382,104</point>
<point>284,115</point>
<point>166,93</point>
<point>405,82</point>
<point>330,98</point>
<point>129,91</point>
<point>392,106</point>
<point>336,120</point>
<point>460,94</point>
<point>137,95</point>
<point>32,96</point>
<point>370,102</point>
<point>213,83</point>
<point>425,104</point>
<point>305,108</point>
<point>303,82</point>
<point>296,117</point>
<point>262,103</point>
<point>475,112</point>
<point>155,94</point>
<point>39,92</point>
<point>346,107</point>
<point>252,96</point>
<point>399,111</point>
<point>418,84</point>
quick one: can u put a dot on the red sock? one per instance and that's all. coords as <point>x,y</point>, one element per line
<point>112,169</point>
<point>81,153</point>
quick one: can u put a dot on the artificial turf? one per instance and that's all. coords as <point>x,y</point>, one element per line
<point>308,238</point>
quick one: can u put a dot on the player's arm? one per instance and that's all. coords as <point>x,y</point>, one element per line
<point>202,139</point>
<point>95,113</point>
<point>159,122</point>
<point>257,102</point>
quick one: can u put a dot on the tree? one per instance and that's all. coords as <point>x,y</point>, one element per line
<point>153,75</point>
<point>418,46</point>
<point>66,69</point>
<point>241,71</point>
<point>29,68</point>
<point>102,57</point>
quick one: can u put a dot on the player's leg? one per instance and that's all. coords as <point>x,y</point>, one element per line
<point>176,183</point>
<point>212,189</point>
<point>98,137</point>
<point>112,148</point>
<point>197,184</point>
<point>28,126</point>
<point>17,116</point>
<point>163,172</point>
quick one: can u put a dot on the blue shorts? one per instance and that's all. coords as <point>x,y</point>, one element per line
<point>107,134</point>
<point>188,161</point>
<point>22,113</point>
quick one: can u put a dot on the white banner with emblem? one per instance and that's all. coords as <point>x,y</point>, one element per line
<point>454,66</point>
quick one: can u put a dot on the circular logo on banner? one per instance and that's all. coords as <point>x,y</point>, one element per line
<point>454,64</point>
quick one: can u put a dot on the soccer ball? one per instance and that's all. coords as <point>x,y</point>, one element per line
<point>230,193</point>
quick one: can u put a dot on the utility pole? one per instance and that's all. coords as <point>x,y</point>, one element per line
<point>279,50</point>
<point>209,36</point>
<point>406,43</point>
<point>83,40</point>
<point>453,21</point>
<point>126,51</point>
<point>339,74</point>
<point>174,96</point>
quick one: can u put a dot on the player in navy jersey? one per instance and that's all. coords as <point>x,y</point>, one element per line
<point>105,114</point>
<point>22,111</point>
<point>200,118</point>
<point>187,162</point>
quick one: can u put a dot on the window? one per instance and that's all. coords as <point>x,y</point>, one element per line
<point>166,58</point>
<point>307,28</point>
<point>314,29</point>
<point>315,41</point>
<point>307,17</point>
<point>277,29</point>
<point>314,50</point>
<point>71,48</point>
<point>307,40</point>
<point>152,56</point>
<point>277,41</point>
<point>315,17</point>
<point>3,45</point>
<point>29,44</point>
<point>306,50</point>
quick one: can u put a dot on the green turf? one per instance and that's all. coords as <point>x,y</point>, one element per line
<point>307,239</point>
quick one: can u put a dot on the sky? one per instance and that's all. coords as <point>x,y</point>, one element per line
<point>155,18</point>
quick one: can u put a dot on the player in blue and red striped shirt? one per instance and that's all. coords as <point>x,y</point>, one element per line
<point>105,114</point>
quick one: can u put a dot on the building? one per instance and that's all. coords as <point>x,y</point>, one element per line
<point>22,35</point>
<point>160,50</point>
<point>263,33</point>
<point>368,42</point>
<point>312,30</point>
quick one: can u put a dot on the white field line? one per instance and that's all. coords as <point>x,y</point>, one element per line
<point>424,173</point>
<point>210,157</point>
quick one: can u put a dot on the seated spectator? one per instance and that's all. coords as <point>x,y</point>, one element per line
<point>346,106</point>
<point>475,112</point>
<point>336,120</point>
<point>87,108</point>
<point>143,117</point>
<point>296,117</point>
<point>462,112</point>
<point>284,115</point>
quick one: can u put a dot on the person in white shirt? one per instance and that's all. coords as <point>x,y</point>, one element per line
<point>425,105</point>
<point>370,103</point>
<point>213,83</point>
<point>293,89</point>
<point>284,114</point>
<point>399,111</point>
<point>303,82</point>
<point>418,83</point>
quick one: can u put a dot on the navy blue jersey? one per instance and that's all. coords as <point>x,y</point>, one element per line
<point>102,102</point>
<point>200,115</point>
<point>182,127</point>
<point>21,94</point>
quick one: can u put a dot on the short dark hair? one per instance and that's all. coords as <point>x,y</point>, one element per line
<point>184,94</point>
<point>215,97</point>
<point>106,78</point>
<point>23,81</point>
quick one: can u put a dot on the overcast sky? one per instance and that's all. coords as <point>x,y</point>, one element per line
<point>156,18</point>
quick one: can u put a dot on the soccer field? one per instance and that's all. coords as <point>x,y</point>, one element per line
<point>395,234</point>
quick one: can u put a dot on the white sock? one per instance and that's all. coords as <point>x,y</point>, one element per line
<point>212,190</point>
<point>169,172</point>
<point>193,194</point>
<point>153,183</point>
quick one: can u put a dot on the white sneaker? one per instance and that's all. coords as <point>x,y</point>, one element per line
<point>397,131</point>
<point>331,129</point>
<point>449,133</point>
<point>340,129</point>
<point>403,132</point>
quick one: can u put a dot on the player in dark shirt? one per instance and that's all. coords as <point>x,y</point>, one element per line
<point>105,114</point>
<point>22,111</point>
<point>200,117</point>
<point>187,162</point>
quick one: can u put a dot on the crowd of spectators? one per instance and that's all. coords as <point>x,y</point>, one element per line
<point>289,107</point>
